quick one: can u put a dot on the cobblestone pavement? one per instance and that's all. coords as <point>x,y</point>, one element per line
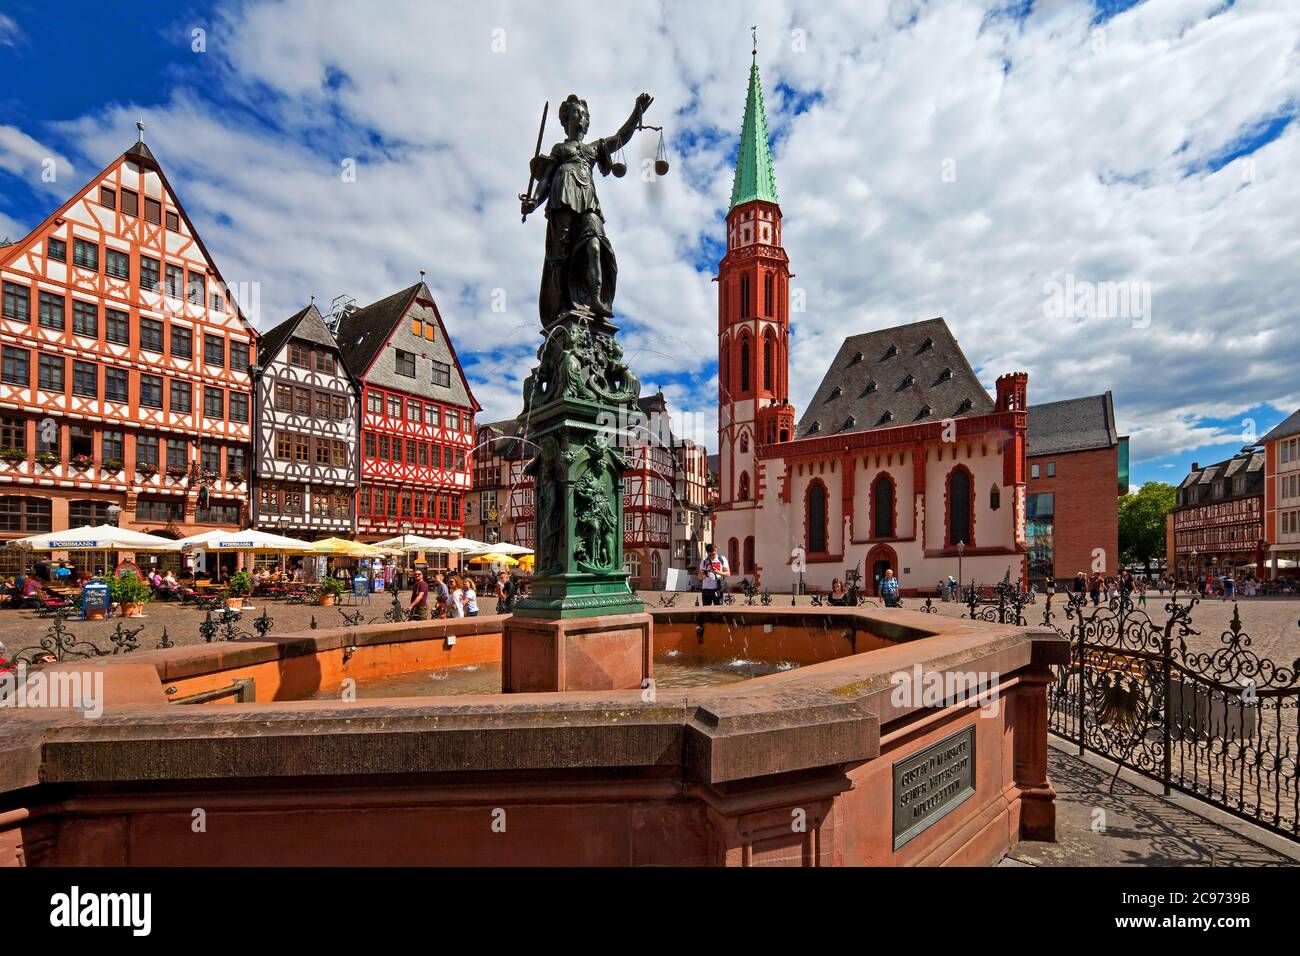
<point>1133,824</point>
<point>1272,623</point>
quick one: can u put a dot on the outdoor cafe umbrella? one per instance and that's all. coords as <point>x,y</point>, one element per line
<point>103,537</point>
<point>412,542</point>
<point>249,541</point>
<point>514,550</point>
<point>345,548</point>
<point>493,559</point>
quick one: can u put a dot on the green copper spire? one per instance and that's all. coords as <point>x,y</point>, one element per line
<point>755,178</point>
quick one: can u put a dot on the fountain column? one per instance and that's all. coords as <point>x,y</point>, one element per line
<point>581,627</point>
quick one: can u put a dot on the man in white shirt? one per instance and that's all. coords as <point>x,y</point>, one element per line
<point>713,575</point>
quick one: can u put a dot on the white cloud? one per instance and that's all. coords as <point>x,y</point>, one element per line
<point>1074,161</point>
<point>45,168</point>
<point>10,32</point>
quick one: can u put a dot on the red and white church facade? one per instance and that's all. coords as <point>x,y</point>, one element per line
<point>902,459</point>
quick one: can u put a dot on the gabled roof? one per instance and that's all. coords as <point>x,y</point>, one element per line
<point>274,340</point>
<point>755,177</point>
<point>1288,427</point>
<point>891,377</point>
<point>1248,462</point>
<point>1073,424</point>
<point>138,153</point>
<point>363,333</point>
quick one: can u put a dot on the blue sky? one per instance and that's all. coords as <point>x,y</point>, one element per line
<point>1119,141</point>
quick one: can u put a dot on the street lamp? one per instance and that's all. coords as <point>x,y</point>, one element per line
<point>961,549</point>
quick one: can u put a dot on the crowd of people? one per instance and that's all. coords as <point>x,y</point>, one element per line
<point>442,594</point>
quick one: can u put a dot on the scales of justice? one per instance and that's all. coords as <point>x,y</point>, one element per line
<point>581,627</point>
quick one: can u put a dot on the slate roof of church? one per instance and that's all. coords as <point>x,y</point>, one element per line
<point>891,377</point>
<point>1073,424</point>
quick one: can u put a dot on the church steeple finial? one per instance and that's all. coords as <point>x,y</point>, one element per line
<point>755,177</point>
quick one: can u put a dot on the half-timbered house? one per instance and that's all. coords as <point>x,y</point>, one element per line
<point>124,379</point>
<point>304,431</point>
<point>417,417</point>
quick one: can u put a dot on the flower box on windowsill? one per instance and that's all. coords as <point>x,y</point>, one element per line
<point>112,466</point>
<point>82,462</point>
<point>14,456</point>
<point>47,459</point>
<point>235,478</point>
<point>145,471</point>
<point>177,474</point>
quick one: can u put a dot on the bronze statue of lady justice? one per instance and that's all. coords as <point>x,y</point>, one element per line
<point>580,270</point>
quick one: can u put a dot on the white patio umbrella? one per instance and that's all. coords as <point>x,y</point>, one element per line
<point>411,542</point>
<point>249,541</point>
<point>104,537</point>
<point>465,545</point>
<point>513,550</point>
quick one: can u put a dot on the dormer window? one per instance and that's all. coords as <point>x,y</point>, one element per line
<point>891,351</point>
<point>945,375</point>
<point>857,357</point>
<point>887,417</point>
<point>814,427</point>
<point>907,381</point>
<point>871,387</point>
<point>927,344</point>
<point>965,406</point>
<point>924,412</point>
<point>849,422</point>
<point>836,392</point>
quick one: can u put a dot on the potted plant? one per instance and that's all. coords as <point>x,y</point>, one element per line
<point>14,455</point>
<point>146,469</point>
<point>331,589</point>
<point>82,462</point>
<point>177,472</point>
<point>209,477</point>
<point>235,477</point>
<point>112,466</point>
<point>47,458</point>
<point>131,593</point>
<point>240,586</point>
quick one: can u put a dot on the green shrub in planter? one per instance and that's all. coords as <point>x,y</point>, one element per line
<point>129,589</point>
<point>333,586</point>
<point>241,585</point>
<point>47,458</point>
<point>14,454</point>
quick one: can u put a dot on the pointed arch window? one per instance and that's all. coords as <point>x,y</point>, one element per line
<point>745,359</point>
<point>724,367</point>
<point>995,498</point>
<point>749,555</point>
<point>882,506</point>
<point>769,350</point>
<point>744,297</point>
<point>733,554</point>
<point>767,294</point>
<point>744,443</point>
<point>744,486</point>
<point>815,518</point>
<point>961,507</point>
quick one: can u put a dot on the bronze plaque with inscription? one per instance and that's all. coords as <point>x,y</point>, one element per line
<point>931,783</point>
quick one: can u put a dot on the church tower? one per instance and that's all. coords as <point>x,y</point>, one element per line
<point>753,333</point>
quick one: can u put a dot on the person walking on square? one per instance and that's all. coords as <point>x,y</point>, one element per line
<point>470,598</point>
<point>419,597</point>
<point>713,576</point>
<point>889,589</point>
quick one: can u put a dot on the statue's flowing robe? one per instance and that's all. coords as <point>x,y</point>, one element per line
<point>573,217</point>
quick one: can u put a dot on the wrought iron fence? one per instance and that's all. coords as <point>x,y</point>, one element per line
<point>60,644</point>
<point>1214,721</point>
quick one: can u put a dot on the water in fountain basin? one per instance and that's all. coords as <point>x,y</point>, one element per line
<point>486,678</point>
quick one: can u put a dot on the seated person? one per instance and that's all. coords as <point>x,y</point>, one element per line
<point>32,588</point>
<point>169,582</point>
<point>838,596</point>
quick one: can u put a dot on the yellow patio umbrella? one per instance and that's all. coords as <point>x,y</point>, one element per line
<point>345,548</point>
<point>526,562</point>
<point>493,559</point>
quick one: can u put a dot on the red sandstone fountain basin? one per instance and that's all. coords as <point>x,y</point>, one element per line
<point>801,767</point>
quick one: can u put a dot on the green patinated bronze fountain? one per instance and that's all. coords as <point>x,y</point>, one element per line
<point>581,389</point>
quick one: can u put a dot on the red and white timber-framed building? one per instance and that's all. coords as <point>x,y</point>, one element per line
<point>902,461</point>
<point>125,366</point>
<point>417,417</point>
